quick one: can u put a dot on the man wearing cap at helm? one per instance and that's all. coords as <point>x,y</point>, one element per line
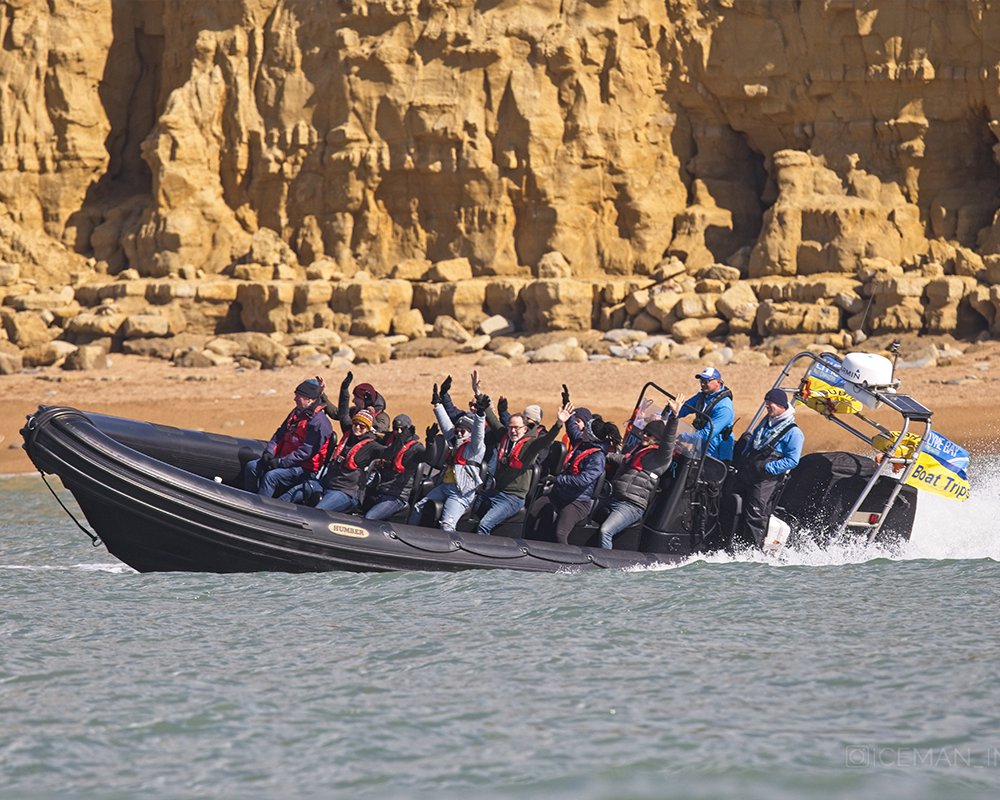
<point>716,401</point>
<point>297,448</point>
<point>765,454</point>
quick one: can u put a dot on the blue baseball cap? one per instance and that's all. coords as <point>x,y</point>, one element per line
<point>710,374</point>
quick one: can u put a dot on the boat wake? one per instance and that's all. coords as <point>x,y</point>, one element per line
<point>114,569</point>
<point>944,530</point>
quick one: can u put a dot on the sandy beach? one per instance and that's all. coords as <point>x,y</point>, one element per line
<point>253,403</point>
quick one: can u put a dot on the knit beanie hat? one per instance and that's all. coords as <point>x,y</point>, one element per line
<point>464,422</point>
<point>402,421</point>
<point>532,413</point>
<point>776,396</point>
<point>308,389</point>
<point>655,428</point>
<point>583,414</point>
<point>362,388</point>
<point>365,417</point>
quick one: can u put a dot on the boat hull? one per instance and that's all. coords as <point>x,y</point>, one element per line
<point>157,517</point>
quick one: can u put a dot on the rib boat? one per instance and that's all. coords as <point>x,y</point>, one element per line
<point>168,499</point>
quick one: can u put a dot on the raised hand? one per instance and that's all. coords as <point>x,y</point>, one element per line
<point>565,395</point>
<point>477,385</point>
<point>446,385</point>
<point>367,400</point>
<point>346,383</point>
<point>482,403</point>
<point>502,405</point>
<point>675,405</point>
<point>432,431</point>
<point>435,397</point>
<point>565,412</point>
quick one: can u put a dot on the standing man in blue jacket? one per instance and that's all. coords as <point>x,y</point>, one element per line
<point>772,449</point>
<point>716,401</point>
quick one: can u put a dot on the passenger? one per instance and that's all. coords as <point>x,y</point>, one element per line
<point>519,448</point>
<point>639,471</point>
<point>297,448</point>
<point>363,396</point>
<point>771,450</point>
<point>339,486</point>
<point>573,488</point>
<point>461,477</point>
<point>492,439</point>
<point>716,401</point>
<point>395,470</point>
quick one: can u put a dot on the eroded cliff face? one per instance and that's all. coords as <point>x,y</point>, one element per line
<point>781,138</point>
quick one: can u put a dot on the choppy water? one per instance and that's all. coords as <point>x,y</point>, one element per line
<point>851,673</point>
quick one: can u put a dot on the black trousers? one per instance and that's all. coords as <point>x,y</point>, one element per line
<point>544,511</point>
<point>756,493</point>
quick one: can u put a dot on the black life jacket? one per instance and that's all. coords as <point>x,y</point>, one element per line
<point>700,422</point>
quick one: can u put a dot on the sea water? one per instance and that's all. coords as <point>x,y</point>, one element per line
<point>853,672</point>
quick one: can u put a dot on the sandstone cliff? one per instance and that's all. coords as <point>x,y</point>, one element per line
<point>547,139</point>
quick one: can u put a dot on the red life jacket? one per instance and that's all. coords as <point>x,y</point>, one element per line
<point>635,462</point>
<point>513,457</point>
<point>397,462</point>
<point>292,437</point>
<point>573,468</point>
<point>348,462</point>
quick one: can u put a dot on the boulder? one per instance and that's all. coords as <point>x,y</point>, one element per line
<point>145,326</point>
<point>27,329</point>
<point>497,325</point>
<point>454,269</point>
<point>371,352</point>
<point>448,328</point>
<point>558,305</point>
<point>52,354</point>
<point>697,306</point>
<point>566,351</point>
<point>372,305</point>
<point>87,357</point>
<point>425,348</point>
<point>464,302</point>
<point>270,353</point>
<point>265,306</point>
<point>688,330</point>
<point>474,344</point>
<point>413,269</point>
<point>554,265</point>
<point>409,324</point>
<point>736,298</point>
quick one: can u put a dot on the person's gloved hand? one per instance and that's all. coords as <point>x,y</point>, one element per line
<point>432,431</point>
<point>435,397</point>
<point>482,403</point>
<point>565,395</point>
<point>367,400</point>
<point>446,385</point>
<point>267,462</point>
<point>502,406</point>
<point>346,383</point>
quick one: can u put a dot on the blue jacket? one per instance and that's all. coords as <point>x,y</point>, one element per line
<point>581,486</point>
<point>723,416</point>
<point>787,450</point>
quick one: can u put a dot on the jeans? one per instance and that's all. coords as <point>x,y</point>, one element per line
<point>272,480</point>
<point>623,514</point>
<point>498,507</point>
<point>455,505</point>
<point>335,500</point>
<point>385,506</point>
